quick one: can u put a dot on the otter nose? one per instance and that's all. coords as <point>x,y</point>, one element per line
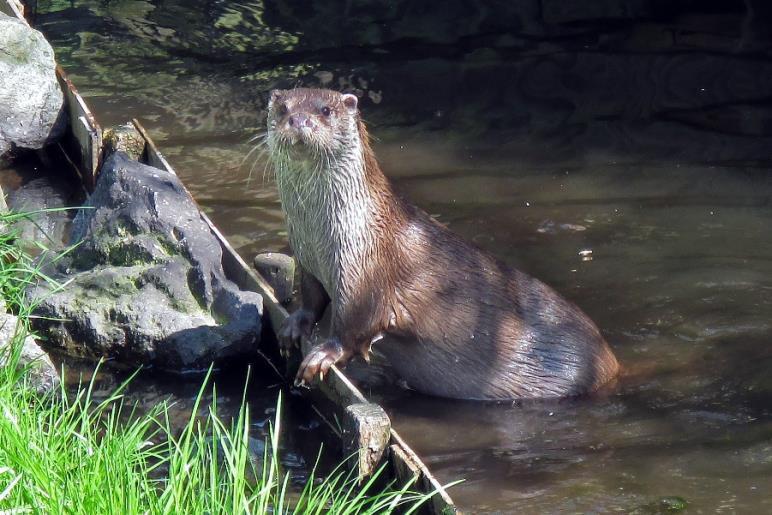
<point>300,120</point>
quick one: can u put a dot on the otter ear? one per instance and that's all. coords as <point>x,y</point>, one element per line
<point>350,101</point>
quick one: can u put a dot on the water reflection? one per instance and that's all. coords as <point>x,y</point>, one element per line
<point>647,124</point>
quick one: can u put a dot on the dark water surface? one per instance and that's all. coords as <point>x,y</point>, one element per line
<point>542,130</point>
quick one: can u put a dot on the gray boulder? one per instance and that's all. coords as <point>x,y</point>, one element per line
<point>145,284</point>
<point>31,114</point>
<point>41,374</point>
<point>43,200</point>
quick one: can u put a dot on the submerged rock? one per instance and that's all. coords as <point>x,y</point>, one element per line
<point>145,284</point>
<point>41,374</point>
<point>31,114</point>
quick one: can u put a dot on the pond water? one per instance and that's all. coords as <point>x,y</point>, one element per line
<point>540,130</point>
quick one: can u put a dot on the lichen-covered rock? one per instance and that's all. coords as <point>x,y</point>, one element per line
<point>125,138</point>
<point>145,284</point>
<point>40,374</point>
<point>31,114</point>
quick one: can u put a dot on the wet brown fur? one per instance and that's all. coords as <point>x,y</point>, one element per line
<point>455,321</point>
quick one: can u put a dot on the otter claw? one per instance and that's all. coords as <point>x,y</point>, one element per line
<point>319,360</point>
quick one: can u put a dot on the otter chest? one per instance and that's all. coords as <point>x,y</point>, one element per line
<point>309,236</point>
<point>328,231</point>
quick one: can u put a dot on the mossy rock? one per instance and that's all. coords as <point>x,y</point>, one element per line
<point>145,283</point>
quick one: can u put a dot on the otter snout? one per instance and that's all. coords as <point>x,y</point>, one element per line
<point>300,121</point>
<point>300,127</point>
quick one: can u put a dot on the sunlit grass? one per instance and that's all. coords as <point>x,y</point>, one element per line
<point>68,452</point>
<point>72,454</point>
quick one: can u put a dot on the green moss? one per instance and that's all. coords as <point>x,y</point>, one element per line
<point>128,255</point>
<point>168,248</point>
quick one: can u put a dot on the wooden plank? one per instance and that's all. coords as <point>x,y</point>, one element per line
<point>441,503</point>
<point>86,145</point>
<point>336,387</point>
<point>13,8</point>
<point>366,434</point>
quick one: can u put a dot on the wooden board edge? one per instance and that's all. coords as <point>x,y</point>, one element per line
<point>14,8</point>
<point>85,131</point>
<point>441,502</point>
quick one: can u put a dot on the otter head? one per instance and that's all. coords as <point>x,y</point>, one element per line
<point>311,124</point>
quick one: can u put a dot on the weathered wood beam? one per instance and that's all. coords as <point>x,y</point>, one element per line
<point>366,436</point>
<point>85,149</point>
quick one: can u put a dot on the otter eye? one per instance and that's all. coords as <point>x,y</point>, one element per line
<point>281,109</point>
<point>326,111</point>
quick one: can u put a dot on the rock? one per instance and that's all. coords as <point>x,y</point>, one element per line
<point>44,199</point>
<point>31,113</point>
<point>671,504</point>
<point>146,284</point>
<point>41,374</point>
<point>125,138</point>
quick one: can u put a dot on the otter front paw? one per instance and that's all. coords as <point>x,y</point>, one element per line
<point>319,360</point>
<point>294,329</point>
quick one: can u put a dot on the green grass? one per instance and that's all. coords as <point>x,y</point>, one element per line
<point>66,452</point>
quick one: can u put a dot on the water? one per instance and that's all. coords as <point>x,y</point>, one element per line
<point>540,132</point>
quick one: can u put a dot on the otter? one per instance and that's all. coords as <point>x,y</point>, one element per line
<point>452,320</point>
